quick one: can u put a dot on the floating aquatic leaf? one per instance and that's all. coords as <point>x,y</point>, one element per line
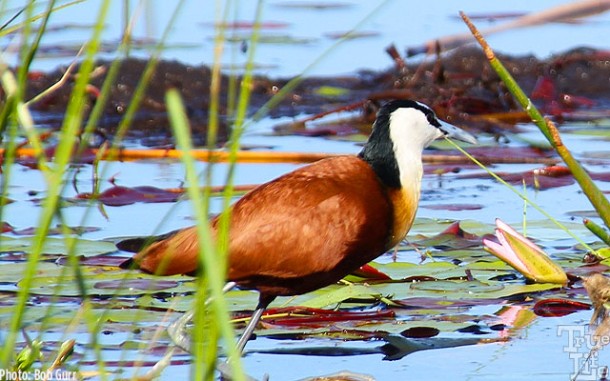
<point>54,245</point>
<point>474,329</point>
<point>86,156</point>
<point>405,270</point>
<point>443,303</point>
<point>301,316</point>
<point>136,284</point>
<point>600,176</point>
<point>457,286</point>
<point>98,260</point>
<point>341,376</point>
<point>352,35</point>
<point>341,294</point>
<point>316,132</point>
<point>590,269</point>
<point>13,272</point>
<point>558,307</point>
<point>133,315</point>
<point>456,291</point>
<point>120,195</point>
<point>424,228</point>
<point>109,284</point>
<point>542,178</point>
<point>5,227</point>
<point>453,207</point>
<point>340,130</point>
<point>498,154</point>
<point>369,272</point>
<point>420,332</point>
<point>59,229</point>
<point>441,169</point>
<point>604,252</point>
<point>453,237</point>
<point>342,333</point>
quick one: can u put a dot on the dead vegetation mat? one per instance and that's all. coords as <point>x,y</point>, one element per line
<point>459,85</point>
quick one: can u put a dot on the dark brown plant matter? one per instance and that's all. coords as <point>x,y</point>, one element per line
<point>460,86</point>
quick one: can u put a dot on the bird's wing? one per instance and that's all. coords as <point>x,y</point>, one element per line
<point>333,214</point>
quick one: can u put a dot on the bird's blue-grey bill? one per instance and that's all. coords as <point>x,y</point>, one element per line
<point>456,133</point>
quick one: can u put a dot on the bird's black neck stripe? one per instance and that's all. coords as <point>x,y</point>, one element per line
<point>379,151</point>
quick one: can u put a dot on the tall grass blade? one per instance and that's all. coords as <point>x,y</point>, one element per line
<point>6,30</point>
<point>55,178</point>
<point>28,54</point>
<point>212,266</point>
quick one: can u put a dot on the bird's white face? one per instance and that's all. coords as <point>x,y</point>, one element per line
<point>411,130</point>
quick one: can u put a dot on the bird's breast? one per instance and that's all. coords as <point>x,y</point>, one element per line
<point>405,204</point>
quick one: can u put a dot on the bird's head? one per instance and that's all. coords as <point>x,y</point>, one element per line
<point>417,123</point>
<point>402,130</point>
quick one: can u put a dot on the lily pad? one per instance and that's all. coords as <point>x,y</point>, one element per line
<point>454,286</point>
<point>109,283</point>
<point>54,245</point>
<point>121,196</point>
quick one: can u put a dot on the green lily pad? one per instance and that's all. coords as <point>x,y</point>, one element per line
<point>13,272</point>
<point>426,289</point>
<point>55,245</point>
<point>457,286</point>
<point>138,315</point>
<point>341,294</point>
<point>109,283</point>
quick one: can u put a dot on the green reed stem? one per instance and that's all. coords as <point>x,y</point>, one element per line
<point>547,127</point>
<point>599,231</point>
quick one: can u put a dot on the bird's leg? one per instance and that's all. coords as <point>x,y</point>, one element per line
<point>254,319</point>
<point>177,330</point>
<point>263,302</point>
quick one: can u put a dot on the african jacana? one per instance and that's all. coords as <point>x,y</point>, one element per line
<point>311,227</point>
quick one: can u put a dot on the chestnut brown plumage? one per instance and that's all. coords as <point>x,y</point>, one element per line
<point>313,226</point>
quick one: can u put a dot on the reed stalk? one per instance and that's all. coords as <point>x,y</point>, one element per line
<point>546,126</point>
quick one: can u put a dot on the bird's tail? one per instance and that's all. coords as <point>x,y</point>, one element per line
<point>176,252</point>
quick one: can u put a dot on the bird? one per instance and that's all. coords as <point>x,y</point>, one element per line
<point>311,227</point>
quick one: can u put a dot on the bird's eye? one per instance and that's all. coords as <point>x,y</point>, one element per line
<point>432,120</point>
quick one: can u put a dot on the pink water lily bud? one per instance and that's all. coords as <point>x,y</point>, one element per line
<point>524,256</point>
